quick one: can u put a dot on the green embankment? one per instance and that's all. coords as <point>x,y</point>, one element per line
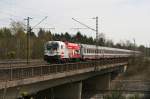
<point>138,69</point>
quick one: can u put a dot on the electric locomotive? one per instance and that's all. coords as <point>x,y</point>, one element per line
<point>61,51</point>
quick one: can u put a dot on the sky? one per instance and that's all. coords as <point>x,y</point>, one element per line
<point>119,20</point>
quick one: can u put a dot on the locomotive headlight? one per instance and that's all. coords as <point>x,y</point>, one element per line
<point>45,51</point>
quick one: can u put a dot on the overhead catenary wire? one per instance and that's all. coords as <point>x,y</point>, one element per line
<point>43,28</point>
<point>40,22</point>
<point>83,24</point>
<point>79,28</point>
<point>35,26</point>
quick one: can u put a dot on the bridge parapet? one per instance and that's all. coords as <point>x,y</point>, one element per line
<point>11,72</point>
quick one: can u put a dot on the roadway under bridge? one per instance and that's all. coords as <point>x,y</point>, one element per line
<point>61,81</point>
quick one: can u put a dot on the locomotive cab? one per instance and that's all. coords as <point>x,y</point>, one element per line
<point>54,51</point>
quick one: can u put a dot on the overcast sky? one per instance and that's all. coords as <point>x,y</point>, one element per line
<point>118,19</point>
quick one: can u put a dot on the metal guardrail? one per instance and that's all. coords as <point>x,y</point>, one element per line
<point>20,61</point>
<point>13,72</point>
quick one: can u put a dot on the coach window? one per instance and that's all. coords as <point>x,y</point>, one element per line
<point>109,51</point>
<point>100,51</point>
<point>61,46</point>
<point>84,50</point>
<point>76,51</point>
<point>104,51</point>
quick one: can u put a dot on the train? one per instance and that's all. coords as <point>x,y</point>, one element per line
<point>59,51</point>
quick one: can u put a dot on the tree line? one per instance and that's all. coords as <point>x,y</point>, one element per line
<point>13,42</point>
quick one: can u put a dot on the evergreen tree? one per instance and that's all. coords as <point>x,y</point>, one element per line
<point>41,33</point>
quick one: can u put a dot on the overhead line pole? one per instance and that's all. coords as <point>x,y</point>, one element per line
<point>96,56</point>
<point>149,50</point>
<point>96,36</point>
<point>97,29</point>
<point>28,38</point>
<point>134,46</point>
<point>28,34</point>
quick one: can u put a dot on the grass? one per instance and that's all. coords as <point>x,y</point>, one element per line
<point>138,68</point>
<point>119,95</point>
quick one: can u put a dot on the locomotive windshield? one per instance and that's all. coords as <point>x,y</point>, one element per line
<point>52,46</point>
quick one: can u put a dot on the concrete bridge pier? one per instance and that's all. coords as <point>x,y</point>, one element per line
<point>68,91</point>
<point>118,72</point>
<point>96,84</point>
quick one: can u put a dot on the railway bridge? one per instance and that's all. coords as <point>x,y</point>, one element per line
<point>60,81</point>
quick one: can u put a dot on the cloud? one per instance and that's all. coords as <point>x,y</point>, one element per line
<point>118,19</point>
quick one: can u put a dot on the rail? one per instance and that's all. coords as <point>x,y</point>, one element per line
<point>13,72</point>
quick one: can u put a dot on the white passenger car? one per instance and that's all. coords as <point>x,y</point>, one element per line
<point>97,52</point>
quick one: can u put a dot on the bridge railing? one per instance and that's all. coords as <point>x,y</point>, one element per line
<point>12,72</point>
